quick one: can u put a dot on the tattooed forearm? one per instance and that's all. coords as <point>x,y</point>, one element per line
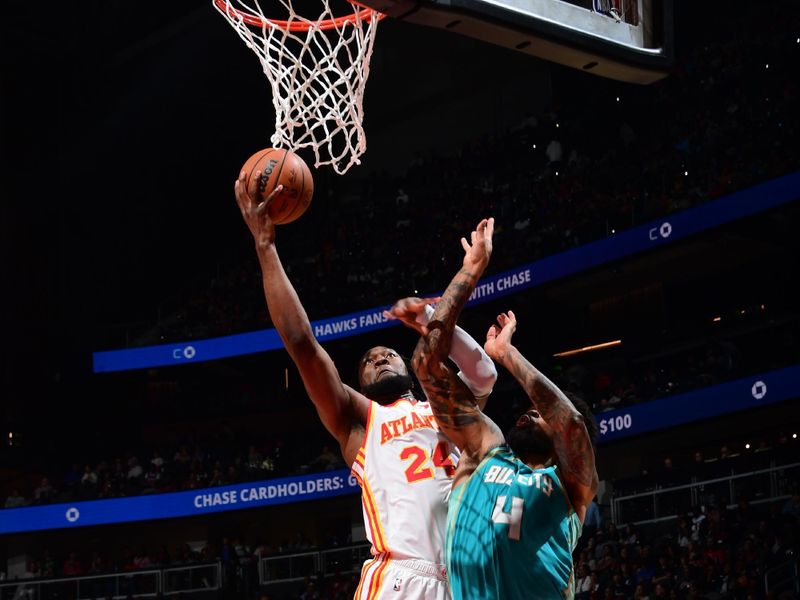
<point>551,402</point>
<point>571,440</point>
<point>444,318</point>
<point>452,402</point>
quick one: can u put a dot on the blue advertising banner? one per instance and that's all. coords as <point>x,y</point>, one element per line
<point>179,504</point>
<point>742,394</point>
<point>644,237</point>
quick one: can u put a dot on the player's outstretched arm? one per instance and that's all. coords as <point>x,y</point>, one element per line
<point>571,441</point>
<point>340,407</point>
<point>476,369</point>
<point>453,403</point>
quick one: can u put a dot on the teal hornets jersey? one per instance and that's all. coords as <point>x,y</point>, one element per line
<point>511,531</point>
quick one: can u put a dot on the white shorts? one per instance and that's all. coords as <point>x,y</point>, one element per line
<point>387,578</point>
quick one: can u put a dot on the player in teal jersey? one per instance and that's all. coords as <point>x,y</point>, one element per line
<point>518,502</point>
<point>516,511</point>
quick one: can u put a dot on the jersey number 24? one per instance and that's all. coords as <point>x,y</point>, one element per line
<point>419,469</point>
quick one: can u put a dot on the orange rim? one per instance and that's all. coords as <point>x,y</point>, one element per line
<point>257,21</point>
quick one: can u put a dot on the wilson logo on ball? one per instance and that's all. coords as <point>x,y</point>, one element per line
<point>281,167</point>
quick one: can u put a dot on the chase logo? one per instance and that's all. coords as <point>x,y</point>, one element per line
<point>72,514</point>
<point>759,390</point>
<point>663,231</point>
<point>186,353</point>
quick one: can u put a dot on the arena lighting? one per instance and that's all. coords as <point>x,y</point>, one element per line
<point>717,319</point>
<point>747,446</point>
<point>588,348</point>
<point>617,98</point>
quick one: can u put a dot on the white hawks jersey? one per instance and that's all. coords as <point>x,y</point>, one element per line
<point>405,468</point>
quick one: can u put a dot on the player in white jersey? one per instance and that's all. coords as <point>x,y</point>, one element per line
<point>403,463</point>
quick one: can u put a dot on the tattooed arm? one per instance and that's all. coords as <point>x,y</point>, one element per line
<point>478,371</point>
<point>453,404</point>
<point>571,441</point>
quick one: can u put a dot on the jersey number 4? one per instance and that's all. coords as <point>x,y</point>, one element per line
<point>419,469</point>
<point>512,519</point>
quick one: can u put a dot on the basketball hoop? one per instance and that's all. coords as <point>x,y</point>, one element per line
<point>317,69</point>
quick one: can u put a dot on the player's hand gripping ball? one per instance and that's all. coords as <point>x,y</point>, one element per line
<point>281,167</point>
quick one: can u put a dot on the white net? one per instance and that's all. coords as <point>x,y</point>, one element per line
<point>317,69</point>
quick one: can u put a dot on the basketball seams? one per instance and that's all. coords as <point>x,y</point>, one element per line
<point>277,181</point>
<point>292,202</point>
<point>299,204</point>
<point>253,169</point>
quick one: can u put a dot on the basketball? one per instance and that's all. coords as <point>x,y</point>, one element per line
<point>282,167</point>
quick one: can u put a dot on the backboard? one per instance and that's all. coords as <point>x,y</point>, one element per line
<point>626,40</point>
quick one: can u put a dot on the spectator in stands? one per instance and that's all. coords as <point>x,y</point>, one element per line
<point>31,570</point>
<point>254,460</point>
<point>554,152</point>
<point>262,549</point>
<point>631,537</point>
<point>72,477</point>
<point>141,560</point>
<point>117,478</point>
<point>72,566</point>
<point>45,493</point>
<point>48,565</point>
<point>684,533</point>
<point>639,593</point>
<point>151,479</point>
<point>663,572</point>
<point>182,457</point>
<point>88,482</point>
<point>583,584</point>
<point>14,499</point>
<point>326,461</point>
<point>310,593</point>
<point>668,477</point>
<point>217,476</point>
<point>698,469</point>
<point>232,474</point>
<point>162,557</point>
<point>135,470</point>
<point>792,506</point>
<point>127,563</point>
<point>785,451</point>
<point>96,565</point>
<point>607,562</point>
<point>337,589</point>
<point>157,460</point>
